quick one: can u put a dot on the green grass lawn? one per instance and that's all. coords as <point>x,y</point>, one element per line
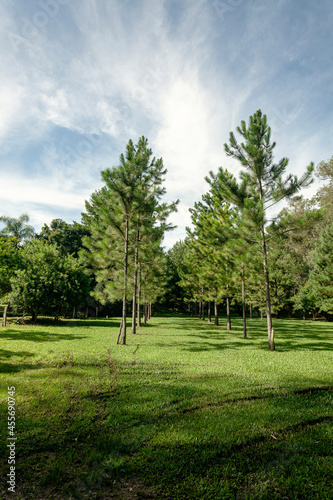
<point>193,412</point>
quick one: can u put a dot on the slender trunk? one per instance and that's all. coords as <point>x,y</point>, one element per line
<point>96,311</point>
<point>215,314</point>
<point>250,310</point>
<point>73,316</point>
<point>209,313</point>
<point>123,337</point>
<point>270,330</point>
<point>271,345</point>
<point>195,308</point>
<point>200,308</point>
<point>4,317</point>
<point>202,305</point>
<point>243,302</point>
<point>120,328</point>
<point>228,310</point>
<point>138,317</point>
<point>135,281</point>
<point>150,310</point>
<point>144,310</point>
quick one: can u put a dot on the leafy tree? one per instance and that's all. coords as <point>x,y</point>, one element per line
<point>68,237</point>
<point>17,227</point>
<point>291,240</point>
<point>321,277</point>
<point>306,299</point>
<point>9,263</point>
<point>260,188</point>
<point>48,282</point>
<point>324,195</point>
<point>175,295</point>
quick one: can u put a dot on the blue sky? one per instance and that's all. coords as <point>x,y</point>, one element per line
<point>79,78</point>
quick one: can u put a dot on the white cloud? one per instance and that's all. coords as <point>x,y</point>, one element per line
<point>39,193</point>
<point>176,72</point>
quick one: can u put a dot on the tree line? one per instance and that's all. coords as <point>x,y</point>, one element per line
<point>236,253</point>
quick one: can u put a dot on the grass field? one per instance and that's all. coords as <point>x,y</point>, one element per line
<point>185,410</point>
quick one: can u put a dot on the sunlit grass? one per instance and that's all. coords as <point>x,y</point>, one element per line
<point>194,411</point>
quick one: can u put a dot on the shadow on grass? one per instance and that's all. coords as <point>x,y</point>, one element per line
<point>159,434</point>
<point>289,334</point>
<point>14,368</point>
<point>77,323</point>
<point>37,336</point>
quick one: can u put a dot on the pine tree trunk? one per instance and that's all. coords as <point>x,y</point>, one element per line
<point>216,314</point>
<point>135,282</point>
<point>209,313</point>
<point>243,302</point>
<point>120,328</point>
<point>228,311</point>
<point>144,320</point>
<point>4,317</point>
<point>270,331</point>
<point>138,316</point>
<point>123,337</point>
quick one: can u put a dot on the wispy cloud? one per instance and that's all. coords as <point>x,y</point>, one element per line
<point>79,78</point>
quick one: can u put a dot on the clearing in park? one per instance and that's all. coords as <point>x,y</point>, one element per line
<point>184,410</point>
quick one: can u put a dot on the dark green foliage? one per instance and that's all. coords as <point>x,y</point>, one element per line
<point>321,277</point>
<point>68,237</point>
<point>175,295</point>
<point>48,282</point>
<point>9,262</point>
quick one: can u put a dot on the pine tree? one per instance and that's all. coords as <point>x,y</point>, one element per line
<point>260,188</point>
<point>118,216</point>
